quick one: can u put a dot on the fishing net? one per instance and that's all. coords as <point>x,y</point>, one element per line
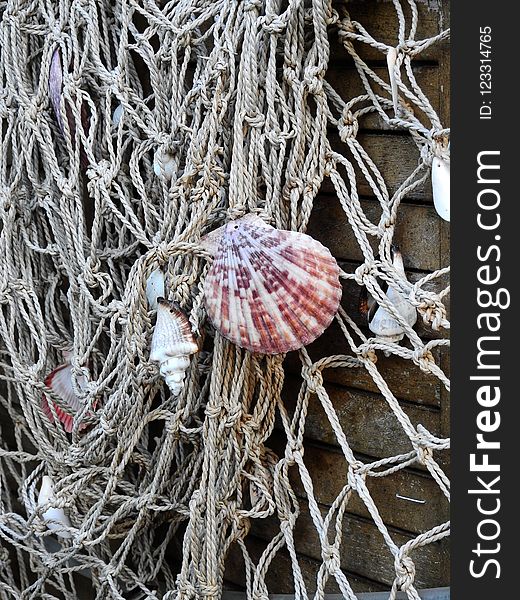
<point>130,128</point>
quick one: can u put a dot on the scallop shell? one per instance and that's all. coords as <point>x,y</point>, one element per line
<point>269,290</point>
<point>60,381</point>
<point>155,288</point>
<point>55,518</point>
<point>441,187</point>
<point>172,344</point>
<point>380,321</point>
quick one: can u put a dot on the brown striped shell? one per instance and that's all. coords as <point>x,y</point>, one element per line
<point>269,290</point>
<point>172,344</point>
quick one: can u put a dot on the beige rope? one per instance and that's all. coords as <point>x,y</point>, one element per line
<point>229,101</point>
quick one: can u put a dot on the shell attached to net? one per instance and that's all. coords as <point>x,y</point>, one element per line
<point>55,518</point>
<point>164,164</point>
<point>60,381</point>
<point>269,290</point>
<point>380,322</point>
<point>172,344</point>
<point>155,288</point>
<point>391,59</point>
<point>441,187</point>
<point>56,86</point>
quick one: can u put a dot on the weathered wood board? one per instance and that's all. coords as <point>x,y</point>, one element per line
<point>371,429</point>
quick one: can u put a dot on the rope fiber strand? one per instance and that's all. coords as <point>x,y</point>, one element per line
<point>130,128</point>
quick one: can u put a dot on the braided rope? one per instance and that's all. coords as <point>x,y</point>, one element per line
<point>176,116</point>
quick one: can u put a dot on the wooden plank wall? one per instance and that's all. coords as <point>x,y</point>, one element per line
<point>370,427</point>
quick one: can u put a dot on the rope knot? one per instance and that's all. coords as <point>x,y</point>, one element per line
<point>364,271</point>
<point>236,212</point>
<point>100,174</point>
<point>313,378</point>
<point>348,126</point>
<point>33,111</point>
<point>367,352</point>
<point>313,82</point>
<point>252,5</point>
<point>424,454</point>
<point>331,558</point>
<point>161,253</point>
<point>255,119</point>
<point>422,357</point>
<point>405,570</point>
<point>356,472</point>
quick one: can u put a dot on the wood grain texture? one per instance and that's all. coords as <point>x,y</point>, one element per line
<point>364,551</point>
<point>395,155</point>
<point>380,20</point>
<point>327,468</point>
<point>404,378</point>
<point>370,427</point>
<point>418,232</point>
<point>344,78</point>
<point>279,577</point>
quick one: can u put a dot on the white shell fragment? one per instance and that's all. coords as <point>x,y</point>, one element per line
<point>172,344</point>
<point>56,86</point>
<point>380,321</point>
<point>60,381</point>
<point>164,164</point>
<point>117,114</point>
<point>55,518</point>
<point>155,288</point>
<point>269,290</point>
<point>391,59</point>
<point>441,187</point>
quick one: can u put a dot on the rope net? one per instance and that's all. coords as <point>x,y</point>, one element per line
<point>130,128</point>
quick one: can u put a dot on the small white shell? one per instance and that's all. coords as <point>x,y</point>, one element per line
<point>172,344</point>
<point>441,187</point>
<point>55,518</point>
<point>383,324</point>
<point>269,290</point>
<point>117,114</point>
<point>391,59</point>
<point>164,164</point>
<point>155,288</point>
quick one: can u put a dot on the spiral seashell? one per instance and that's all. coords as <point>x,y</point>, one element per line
<point>172,344</point>
<point>380,322</point>
<point>155,288</point>
<point>55,518</point>
<point>269,290</point>
<point>441,187</point>
<point>60,381</point>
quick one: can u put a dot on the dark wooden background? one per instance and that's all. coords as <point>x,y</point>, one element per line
<point>370,426</point>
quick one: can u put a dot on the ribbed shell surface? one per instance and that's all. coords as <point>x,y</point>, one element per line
<point>172,335</point>
<point>269,290</point>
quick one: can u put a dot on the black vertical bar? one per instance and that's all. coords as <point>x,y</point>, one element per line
<point>484,126</point>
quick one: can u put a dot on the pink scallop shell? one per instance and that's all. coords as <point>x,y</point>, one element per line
<point>60,381</point>
<point>269,290</point>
